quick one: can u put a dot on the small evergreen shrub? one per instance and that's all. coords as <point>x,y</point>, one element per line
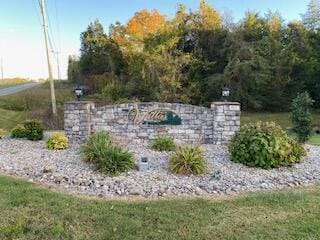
<point>108,157</point>
<point>19,132</point>
<point>34,130</point>
<point>2,133</point>
<point>301,116</point>
<point>188,160</point>
<point>264,145</point>
<point>57,141</point>
<point>163,143</point>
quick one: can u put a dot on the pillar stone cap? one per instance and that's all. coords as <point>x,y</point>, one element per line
<point>225,103</point>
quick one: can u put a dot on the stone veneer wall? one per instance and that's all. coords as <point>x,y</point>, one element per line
<point>213,125</point>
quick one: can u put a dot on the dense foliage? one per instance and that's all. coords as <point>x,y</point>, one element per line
<point>265,145</point>
<point>107,156</point>
<point>301,116</point>
<point>57,141</point>
<point>188,160</point>
<point>18,131</point>
<point>2,133</point>
<point>163,143</point>
<point>265,60</point>
<point>33,130</point>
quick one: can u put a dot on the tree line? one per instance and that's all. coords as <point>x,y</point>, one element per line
<point>264,60</point>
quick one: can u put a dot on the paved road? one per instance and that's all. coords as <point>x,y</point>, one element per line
<point>18,88</point>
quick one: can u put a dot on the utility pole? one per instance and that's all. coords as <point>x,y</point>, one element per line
<point>45,30</point>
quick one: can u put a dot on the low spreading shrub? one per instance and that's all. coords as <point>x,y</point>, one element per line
<point>57,141</point>
<point>188,160</point>
<point>163,143</point>
<point>19,132</point>
<point>265,145</point>
<point>2,133</point>
<point>108,157</point>
<point>34,130</point>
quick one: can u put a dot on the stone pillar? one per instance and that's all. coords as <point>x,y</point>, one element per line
<point>226,121</point>
<point>77,120</point>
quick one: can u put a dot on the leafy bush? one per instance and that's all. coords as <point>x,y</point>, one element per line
<point>264,145</point>
<point>163,143</point>
<point>57,141</point>
<point>19,132</point>
<point>34,130</point>
<point>108,157</point>
<point>301,116</point>
<point>188,160</point>
<point>2,133</point>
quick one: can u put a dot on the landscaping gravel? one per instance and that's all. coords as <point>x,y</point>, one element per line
<point>65,170</point>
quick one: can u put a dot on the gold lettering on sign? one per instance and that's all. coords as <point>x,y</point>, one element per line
<point>152,115</point>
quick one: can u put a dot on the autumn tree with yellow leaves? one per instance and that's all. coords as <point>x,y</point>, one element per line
<point>188,58</point>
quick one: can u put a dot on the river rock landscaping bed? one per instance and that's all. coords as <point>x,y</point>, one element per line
<point>66,171</point>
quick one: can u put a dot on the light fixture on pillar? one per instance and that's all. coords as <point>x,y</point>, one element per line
<point>79,93</point>
<point>225,93</point>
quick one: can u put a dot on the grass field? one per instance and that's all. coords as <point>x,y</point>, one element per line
<point>283,119</point>
<point>9,119</point>
<point>28,212</point>
<point>12,82</point>
<point>35,103</point>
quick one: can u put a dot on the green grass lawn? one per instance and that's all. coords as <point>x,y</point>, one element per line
<point>315,140</point>
<point>283,119</point>
<point>28,212</point>
<point>9,119</point>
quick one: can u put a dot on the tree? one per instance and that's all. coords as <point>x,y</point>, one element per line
<point>167,67</point>
<point>301,116</point>
<point>99,54</point>
<point>246,65</point>
<point>74,74</point>
<point>140,26</point>
<point>311,19</point>
<point>191,56</point>
<point>209,17</point>
<point>271,94</point>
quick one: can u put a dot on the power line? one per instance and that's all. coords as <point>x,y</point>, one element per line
<point>59,38</point>
<point>58,25</point>
<point>55,49</point>
<point>37,11</point>
<point>45,31</point>
<point>50,29</point>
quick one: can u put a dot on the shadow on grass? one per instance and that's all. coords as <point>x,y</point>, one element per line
<point>29,212</point>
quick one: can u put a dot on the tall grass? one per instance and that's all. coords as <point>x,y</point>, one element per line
<point>36,103</point>
<point>13,82</point>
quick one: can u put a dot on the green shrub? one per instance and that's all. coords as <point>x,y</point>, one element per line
<point>34,130</point>
<point>301,116</point>
<point>108,157</point>
<point>57,141</point>
<point>188,160</point>
<point>19,132</point>
<point>264,145</point>
<point>163,143</point>
<point>2,133</point>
